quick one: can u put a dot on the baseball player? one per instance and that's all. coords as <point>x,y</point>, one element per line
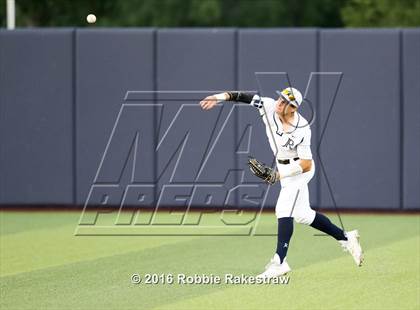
<point>289,135</point>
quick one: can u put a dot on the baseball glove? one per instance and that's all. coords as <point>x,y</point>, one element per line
<point>262,171</point>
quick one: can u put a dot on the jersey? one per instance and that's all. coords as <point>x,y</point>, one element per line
<point>296,142</point>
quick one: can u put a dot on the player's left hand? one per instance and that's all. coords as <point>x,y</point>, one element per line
<point>208,103</point>
<point>262,171</point>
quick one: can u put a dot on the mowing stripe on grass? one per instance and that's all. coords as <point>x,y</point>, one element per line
<point>389,280</point>
<point>100,278</point>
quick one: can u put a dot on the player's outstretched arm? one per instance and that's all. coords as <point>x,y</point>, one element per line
<point>211,101</point>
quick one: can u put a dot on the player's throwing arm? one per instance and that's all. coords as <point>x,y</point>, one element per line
<point>258,168</point>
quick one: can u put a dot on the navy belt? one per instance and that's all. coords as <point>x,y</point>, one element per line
<point>286,161</point>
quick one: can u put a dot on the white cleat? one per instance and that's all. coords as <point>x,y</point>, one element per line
<point>274,268</point>
<point>352,245</point>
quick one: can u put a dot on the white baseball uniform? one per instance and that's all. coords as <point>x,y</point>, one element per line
<point>293,200</point>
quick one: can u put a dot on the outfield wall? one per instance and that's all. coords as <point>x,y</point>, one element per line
<point>62,90</point>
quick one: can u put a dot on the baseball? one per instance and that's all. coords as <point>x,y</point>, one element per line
<point>91,18</point>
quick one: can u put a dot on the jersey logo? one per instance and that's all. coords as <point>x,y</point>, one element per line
<point>290,143</point>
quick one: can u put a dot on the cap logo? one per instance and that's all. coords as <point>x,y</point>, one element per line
<point>289,94</point>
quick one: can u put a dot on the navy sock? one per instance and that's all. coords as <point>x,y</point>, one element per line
<point>285,231</point>
<point>322,223</point>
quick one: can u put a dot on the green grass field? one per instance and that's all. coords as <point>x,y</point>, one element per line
<point>44,266</point>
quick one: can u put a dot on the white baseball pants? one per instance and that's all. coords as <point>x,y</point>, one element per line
<point>293,200</point>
